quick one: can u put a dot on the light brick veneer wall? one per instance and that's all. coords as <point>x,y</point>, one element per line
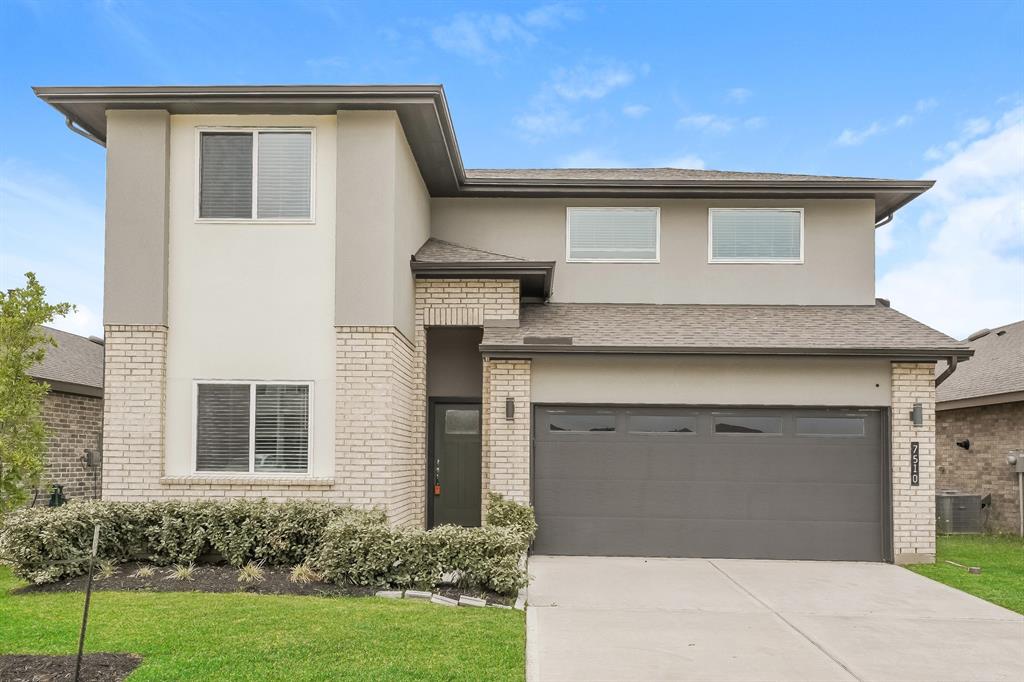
<point>913,507</point>
<point>376,454</point>
<point>994,431</point>
<point>73,425</point>
<point>506,442</point>
<point>134,392</point>
<point>455,303</point>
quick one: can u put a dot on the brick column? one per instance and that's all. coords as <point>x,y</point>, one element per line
<point>913,507</point>
<point>377,462</point>
<point>134,390</point>
<point>506,442</point>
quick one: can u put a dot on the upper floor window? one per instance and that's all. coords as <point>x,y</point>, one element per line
<point>617,235</point>
<point>252,427</point>
<point>256,175</point>
<point>756,235</point>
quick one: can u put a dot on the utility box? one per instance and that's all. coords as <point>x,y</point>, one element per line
<point>957,512</point>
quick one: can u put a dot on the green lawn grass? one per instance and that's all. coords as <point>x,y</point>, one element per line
<point>1000,557</point>
<point>193,636</point>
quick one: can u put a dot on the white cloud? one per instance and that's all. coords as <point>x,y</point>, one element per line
<point>850,137</point>
<point>483,37</point>
<point>547,122</point>
<point>82,321</point>
<point>636,110</point>
<point>973,127</point>
<point>754,122</point>
<point>689,161</point>
<point>708,122</point>
<point>739,95</point>
<point>970,273</point>
<point>590,82</point>
<point>553,15</point>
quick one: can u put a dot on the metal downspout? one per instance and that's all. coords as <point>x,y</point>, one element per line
<point>84,133</point>
<point>950,368</point>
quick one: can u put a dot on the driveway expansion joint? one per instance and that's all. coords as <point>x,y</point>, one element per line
<point>785,620</point>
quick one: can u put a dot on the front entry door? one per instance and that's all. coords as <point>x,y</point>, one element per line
<point>455,468</point>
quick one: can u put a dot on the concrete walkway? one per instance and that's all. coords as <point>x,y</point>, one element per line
<point>600,618</point>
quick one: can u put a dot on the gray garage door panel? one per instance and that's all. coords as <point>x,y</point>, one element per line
<point>786,495</point>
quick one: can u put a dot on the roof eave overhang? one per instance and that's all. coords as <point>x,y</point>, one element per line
<point>423,111</point>
<point>535,276</point>
<point>893,354</point>
<point>889,195</point>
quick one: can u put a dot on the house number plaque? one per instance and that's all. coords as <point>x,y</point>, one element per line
<point>915,463</point>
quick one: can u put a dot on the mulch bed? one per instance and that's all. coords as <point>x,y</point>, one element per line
<point>95,667</point>
<point>214,578</point>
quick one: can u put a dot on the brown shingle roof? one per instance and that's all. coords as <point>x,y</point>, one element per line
<point>997,366</point>
<point>440,251</point>
<point>768,329</point>
<point>75,360</point>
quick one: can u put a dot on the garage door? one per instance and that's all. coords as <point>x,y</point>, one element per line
<point>732,483</point>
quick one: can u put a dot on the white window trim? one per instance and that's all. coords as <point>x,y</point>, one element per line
<point>774,261</point>
<point>568,235</point>
<point>195,471</point>
<point>199,130</point>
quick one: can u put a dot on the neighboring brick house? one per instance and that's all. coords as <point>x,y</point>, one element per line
<point>308,296</point>
<point>982,405</point>
<point>73,413</point>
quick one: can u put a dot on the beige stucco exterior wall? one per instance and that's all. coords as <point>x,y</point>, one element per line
<point>383,218</point>
<point>913,507</point>
<point>838,263</point>
<point>250,301</point>
<point>135,265</point>
<point>680,380</point>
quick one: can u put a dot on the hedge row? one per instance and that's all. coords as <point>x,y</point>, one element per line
<point>362,551</point>
<point>343,544</point>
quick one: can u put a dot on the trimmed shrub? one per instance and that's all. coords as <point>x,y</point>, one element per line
<point>368,552</point>
<point>44,545</point>
<point>509,514</point>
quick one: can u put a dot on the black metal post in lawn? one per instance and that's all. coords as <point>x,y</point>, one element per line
<point>88,594</point>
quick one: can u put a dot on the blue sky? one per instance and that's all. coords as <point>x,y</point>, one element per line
<point>885,89</point>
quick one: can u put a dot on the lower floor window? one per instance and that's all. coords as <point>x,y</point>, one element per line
<point>252,427</point>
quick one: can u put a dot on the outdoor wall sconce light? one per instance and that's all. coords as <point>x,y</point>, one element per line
<point>510,409</point>
<point>965,443</point>
<point>917,414</point>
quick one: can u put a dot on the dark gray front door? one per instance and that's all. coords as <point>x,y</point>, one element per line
<point>455,483</point>
<point>785,483</point>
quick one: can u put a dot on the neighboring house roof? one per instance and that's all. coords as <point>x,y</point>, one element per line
<point>874,330</point>
<point>438,258</point>
<point>426,120</point>
<point>997,368</point>
<point>75,365</point>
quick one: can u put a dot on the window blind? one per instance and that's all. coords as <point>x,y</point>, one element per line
<point>613,234</point>
<point>225,185</point>
<point>222,427</point>
<point>755,235</point>
<point>283,177</point>
<point>282,428</point>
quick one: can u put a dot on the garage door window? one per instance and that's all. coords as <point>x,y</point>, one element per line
<point>830,426</point>
<point>748,424</point>
<point>657,423</point>
<point>582,423</point>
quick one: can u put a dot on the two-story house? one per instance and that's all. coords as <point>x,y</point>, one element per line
<point>308,296</point>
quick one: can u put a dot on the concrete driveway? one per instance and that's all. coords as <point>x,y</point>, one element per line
<point>602,618</point>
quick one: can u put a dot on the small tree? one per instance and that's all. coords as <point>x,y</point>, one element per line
<point>23,344</point>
